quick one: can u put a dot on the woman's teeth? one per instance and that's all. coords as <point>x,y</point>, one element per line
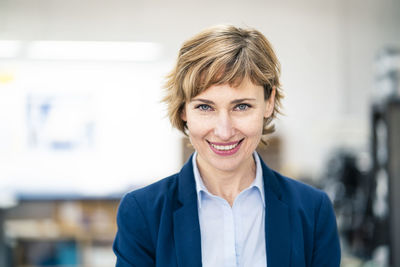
<point>225,148</point>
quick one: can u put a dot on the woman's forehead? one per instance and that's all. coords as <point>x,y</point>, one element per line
<point>246,89</point>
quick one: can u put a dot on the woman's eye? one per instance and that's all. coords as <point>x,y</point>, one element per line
<point>204,107</point>
<point>242,107</point>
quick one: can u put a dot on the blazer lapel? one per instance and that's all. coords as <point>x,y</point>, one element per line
<point>277,224</point>
<point>186,220</point>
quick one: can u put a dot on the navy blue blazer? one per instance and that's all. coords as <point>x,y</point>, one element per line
<point>158,225</point>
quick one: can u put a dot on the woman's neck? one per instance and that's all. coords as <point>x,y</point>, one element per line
<point>227,184</point>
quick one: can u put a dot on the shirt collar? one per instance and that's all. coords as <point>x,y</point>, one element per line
<point>200,186</point>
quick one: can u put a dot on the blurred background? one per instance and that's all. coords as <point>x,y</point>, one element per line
<point>81,121</point>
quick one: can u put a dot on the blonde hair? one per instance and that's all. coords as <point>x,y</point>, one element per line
<point>218,55</point>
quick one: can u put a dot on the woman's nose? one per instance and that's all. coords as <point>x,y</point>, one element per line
<point>224,127</point>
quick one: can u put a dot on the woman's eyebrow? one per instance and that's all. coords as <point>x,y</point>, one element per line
<point>202,100</point>
<point>236,101</point>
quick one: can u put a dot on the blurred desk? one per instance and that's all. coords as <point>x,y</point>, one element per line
<point>62,230</point>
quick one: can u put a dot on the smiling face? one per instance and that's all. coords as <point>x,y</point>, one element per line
<point>225,124</point>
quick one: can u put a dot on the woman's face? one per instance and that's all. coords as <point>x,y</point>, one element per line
<point>225,124</point>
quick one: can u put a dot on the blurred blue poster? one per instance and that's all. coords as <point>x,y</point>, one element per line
<point>60,121</point>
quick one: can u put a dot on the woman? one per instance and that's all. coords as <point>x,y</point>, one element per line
<point>226,207</point>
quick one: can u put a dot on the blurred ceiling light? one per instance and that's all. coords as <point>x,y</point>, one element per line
<point>9,48</point>
<point>82,50</point>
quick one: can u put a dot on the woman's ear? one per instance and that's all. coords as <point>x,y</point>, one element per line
<point>183,114</point>
<point>270,104</point>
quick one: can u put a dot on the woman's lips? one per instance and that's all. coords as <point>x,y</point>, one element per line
<point>225,149</point>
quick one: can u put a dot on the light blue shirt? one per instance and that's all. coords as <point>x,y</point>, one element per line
<point>232,236</point>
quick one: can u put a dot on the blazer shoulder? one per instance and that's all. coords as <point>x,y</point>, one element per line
<point>290,191</point>
<point>138,220</point>
<point>155,192</point>
<point>312,211</point>
<point>298,193</point>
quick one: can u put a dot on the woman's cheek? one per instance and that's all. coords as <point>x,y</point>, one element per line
<point>196,130</point>
<point>251,127</point>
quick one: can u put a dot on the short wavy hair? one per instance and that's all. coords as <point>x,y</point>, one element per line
<point>219,55</point>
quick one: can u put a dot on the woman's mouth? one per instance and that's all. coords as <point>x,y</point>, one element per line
<point>225,149</point>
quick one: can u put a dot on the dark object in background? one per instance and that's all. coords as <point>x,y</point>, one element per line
<point>367,201</point>
<point>350,191</point>
<point>386,174</point>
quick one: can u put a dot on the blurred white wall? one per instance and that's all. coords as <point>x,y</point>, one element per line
<point>327,50</point>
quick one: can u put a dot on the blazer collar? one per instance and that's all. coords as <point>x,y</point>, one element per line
<point>277,221</point>
<point>186,220</point>
<point>187,228</point>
